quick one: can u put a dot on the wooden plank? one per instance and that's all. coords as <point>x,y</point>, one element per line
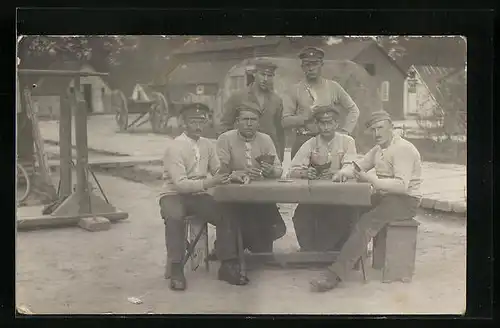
<point>48,221</point>
<point>200,252</point>
<point>291,259</point>
<point>65,146</point>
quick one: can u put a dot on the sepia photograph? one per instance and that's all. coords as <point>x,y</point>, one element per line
<point>241,174</point>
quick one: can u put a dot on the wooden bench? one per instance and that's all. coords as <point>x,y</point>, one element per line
<point>394,251</point>
<point>197,251</point>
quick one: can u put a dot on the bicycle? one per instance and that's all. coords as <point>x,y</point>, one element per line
<point>22,176</point>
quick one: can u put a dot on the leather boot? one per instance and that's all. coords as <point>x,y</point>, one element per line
<point>177,279</point>
<point>230,272</point>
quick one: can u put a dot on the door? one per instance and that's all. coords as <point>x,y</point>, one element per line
<point>87,95</point>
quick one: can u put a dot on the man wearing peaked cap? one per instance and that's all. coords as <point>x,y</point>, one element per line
<point>188,161</point>
<point>312,54</point>
<point>312,91</point>
<point>260,93</point>
<point>396,196</point>
<point>323,228</point>
<point>243,152</point>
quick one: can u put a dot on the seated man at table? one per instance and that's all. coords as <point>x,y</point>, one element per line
<point>323,227</point>
<point>239,151</point>
<point>188,161</point>
<point>397,194</point>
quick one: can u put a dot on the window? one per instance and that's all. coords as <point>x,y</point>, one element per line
<point>370,68</point>
<point>384,91</point>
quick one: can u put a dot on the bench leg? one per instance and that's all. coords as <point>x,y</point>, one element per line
<point>399,262</point>
<point>379,249</point>
<point>196,251</point>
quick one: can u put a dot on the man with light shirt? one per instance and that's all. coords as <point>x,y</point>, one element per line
<point>250,155</point>
<point>323,227</point>
<point>397,195</point>
<point>188,161</point>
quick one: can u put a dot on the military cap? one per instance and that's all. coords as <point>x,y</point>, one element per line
<point>325,111</point>
<point>194,109</point>
<point>265,65</point>
<point>378,116</point>
<point>248,106</point>
<point>312,53</point>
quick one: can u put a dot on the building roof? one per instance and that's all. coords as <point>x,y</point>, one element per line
<point>434,76</point>
<point>54,85</point>
<point>352,49</point>
<point>201,72</point>
<point>227,45</point>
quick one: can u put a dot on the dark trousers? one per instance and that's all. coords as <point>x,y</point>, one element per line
<point>256,222</point>
<point>322,228</point>
<point>175,208</point>
<point>386,209</point>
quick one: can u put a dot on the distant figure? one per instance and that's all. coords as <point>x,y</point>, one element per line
<point>260,93</point>
<point>396,195</point>
<point>314,90</point>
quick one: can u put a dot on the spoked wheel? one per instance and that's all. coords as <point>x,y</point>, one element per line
<point>120,107</point>
<point>159,112</point>
<point>23,184</point>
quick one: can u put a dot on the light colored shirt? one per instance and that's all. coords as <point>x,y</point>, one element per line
<point>400,160</point>
<point>339,151</point>
<point>187,163</point>
<point>302,97</point>
<point>238,153</point>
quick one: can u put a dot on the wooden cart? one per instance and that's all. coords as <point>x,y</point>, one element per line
<point>155,108</point>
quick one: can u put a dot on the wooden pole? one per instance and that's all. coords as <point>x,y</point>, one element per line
<point>65,142</point>
<point>82,186</point>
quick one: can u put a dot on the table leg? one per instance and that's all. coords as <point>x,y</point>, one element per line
<point>241,253</point>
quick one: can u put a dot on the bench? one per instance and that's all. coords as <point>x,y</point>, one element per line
<point>394,251</point>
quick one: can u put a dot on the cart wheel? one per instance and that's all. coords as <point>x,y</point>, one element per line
<point>120,107</point>
<point>159,112</point>
<point>23,180</point>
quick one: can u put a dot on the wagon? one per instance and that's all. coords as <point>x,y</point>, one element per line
<point>353,78</point>
<point>150,104</point>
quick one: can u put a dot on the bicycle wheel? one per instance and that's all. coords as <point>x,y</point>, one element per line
<point>22,179</point>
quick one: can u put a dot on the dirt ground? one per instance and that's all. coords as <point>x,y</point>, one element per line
<point>73,271</point>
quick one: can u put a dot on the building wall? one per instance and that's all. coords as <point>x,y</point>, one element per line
<point>99,90</point>
<point>386,71</point>
<point>418,101</point>
<point>177,91</point>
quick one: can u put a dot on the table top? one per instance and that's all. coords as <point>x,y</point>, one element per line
<point>296,191</point>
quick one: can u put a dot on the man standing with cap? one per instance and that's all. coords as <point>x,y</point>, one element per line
<point>239,152</point>
<point>313,91</point>
<point>187,162</point>
<point>260,93</point>
<point>396,195</point>
<point>322,227</point>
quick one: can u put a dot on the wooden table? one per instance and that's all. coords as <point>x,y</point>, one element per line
<point>324,192</point>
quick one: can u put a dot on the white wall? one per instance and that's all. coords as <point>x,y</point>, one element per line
<point>97,89</point>
<point>48,106</point>
<point>420,103</point>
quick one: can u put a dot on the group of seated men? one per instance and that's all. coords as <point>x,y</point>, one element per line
<point>194,165</point>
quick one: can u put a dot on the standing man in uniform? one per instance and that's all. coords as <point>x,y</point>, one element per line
<point>239,151</point>
<point>260,93</point>
<point>397,194</point>
<point>187,162</point>
<point>323,227</point>
<point>314,90</point>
